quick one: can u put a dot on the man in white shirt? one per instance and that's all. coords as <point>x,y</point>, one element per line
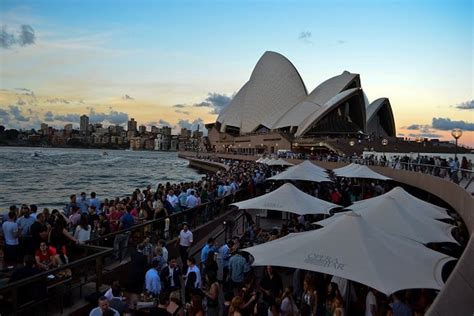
<point>11,234</point>
<point>185,241</point>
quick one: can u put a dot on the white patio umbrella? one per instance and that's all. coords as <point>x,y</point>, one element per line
<point>279,162</point>
<point>264,160</point>
<point>359,171</point>
<point>259,160</point>
<point>352,248</point>
<point>288,198</point>
<point>305,171</point>
<point>269,161</point>
<point>393,217</point>
<point>407,201</point>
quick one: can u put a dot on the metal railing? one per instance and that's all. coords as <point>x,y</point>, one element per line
<point>53,283</point>
<point>96,252</point>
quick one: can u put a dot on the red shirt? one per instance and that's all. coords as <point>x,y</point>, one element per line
<point>45,258</point>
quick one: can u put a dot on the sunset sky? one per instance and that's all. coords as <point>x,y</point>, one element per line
<point>179,62</point>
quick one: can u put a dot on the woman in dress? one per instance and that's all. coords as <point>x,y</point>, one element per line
<point>83,230</point>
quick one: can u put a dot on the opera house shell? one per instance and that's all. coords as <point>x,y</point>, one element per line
<point>275,99</point>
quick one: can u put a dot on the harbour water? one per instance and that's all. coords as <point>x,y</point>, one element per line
<point>48,176</point>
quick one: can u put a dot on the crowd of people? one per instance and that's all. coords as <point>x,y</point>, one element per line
<point>221,279</point>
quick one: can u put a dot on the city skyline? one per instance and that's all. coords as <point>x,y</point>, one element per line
<point>179,63</point>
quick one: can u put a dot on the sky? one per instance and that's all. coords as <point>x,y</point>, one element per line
<point>178,63</point>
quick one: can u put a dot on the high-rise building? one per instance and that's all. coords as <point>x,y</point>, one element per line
<point>142,129</point>
<point>44,128</point>
<point>166,130</point>
<point>132,125</point>
<point>84,124</point>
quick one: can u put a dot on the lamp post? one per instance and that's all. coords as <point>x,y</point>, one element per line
<point>384,143</point>
<point>456,133</point>
<point>419,140</point>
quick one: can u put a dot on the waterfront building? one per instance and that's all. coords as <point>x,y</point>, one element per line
<point>84,125</point>
<point>275,102</point>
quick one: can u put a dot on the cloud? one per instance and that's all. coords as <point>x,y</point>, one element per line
<point>425,135</point>
<point>445,124</point>
<point>113,117</point>
<point>401,134</point>
<point>7,39</point>
<point>191,125</point>
<point>49,116</point>
<point>216,101</point>
<point>341,42</point>
<point>23,89</point>
<point>162,122</point>
<point>4,117</point>
<point>182,112</point>
<point>26,36</point>
<point>468,105</point>
<point>305,35</point>
<point>69,118</point>
<point>57,100</point>
<point>127,97</point>
<point>16,113</point>
<point>179,106</point>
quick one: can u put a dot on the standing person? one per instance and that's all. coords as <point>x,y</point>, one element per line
<point>39,232</point>
<point>33,210</point>
<point>173,200</point>
<point>94,201</point>
<point>161,309</point>
<point>370,303</point>
<point>185,240</point>
<point>72,203</point>
<point>193,279</point>
<point>213,296</point>
<point>138,268</point>
<point>224,257</point>
<point>121,240</point>
<point>399,308</point>
<point>152,279</point>
<point>236,271</point>
<point>208,248</point>
<point>170,276</point>
<point>82,203</point>
<point>83,230</point>
<point>24,225</point>
<point>11,234</point>
<point>271,286</point>
<point>164,250</point>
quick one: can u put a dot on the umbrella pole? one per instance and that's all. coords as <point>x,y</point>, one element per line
<point>347,297</point>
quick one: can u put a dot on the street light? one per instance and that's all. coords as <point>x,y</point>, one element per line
<point>419,140</point>
<point>384,143</point>
<point>352,143</point>
<point>456,133</point>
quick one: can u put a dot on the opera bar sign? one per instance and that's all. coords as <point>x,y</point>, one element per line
<point>324,261</point>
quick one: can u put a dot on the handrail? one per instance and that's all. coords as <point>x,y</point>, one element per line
<point>103,251</point>
<point>219,233</point>
<point>146,223</point>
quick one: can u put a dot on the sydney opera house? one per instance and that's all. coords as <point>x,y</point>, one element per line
<point>273,110</point>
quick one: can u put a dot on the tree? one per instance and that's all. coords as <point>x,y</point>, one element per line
<point>11,134</point>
